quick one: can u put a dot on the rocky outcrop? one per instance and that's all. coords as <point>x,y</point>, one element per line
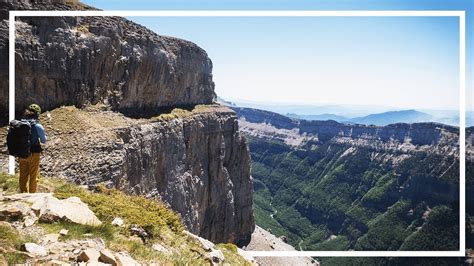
<point>83,60</point>
<point>50,209</point>
<point>22,221</point>
<point>262,240</point>
<point>423,137</point>
<point>195,161</point>
<point>198,164</point>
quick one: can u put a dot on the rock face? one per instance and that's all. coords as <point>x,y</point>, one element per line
<point>327,185</point>
<point>50,209</point>
<point>199,165</point>
<point>418,135</point>
<point>82,60</point>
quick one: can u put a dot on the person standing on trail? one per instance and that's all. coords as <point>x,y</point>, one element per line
<point>30,166</point>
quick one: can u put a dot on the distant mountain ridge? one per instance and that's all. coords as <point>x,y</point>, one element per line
<point>323,117</point>
<point>357,114</point>
<point>393,117</point>
<point>386,118</point>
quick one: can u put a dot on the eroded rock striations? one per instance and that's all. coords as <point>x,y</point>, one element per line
<point>397,138</point>
<point>82,60</point>
<point>197,163</point>
<point>328,185</point>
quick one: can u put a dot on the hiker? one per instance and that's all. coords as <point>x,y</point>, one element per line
<point>24,141</point>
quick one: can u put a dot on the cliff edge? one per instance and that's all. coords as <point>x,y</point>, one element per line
<point>89,60</point>
<point>119,82</point>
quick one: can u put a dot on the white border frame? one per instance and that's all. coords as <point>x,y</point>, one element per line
<point>462,93</point>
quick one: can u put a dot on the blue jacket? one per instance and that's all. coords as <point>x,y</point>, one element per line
<point>38,134</point>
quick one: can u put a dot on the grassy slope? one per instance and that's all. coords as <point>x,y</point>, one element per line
<point>164,224</point>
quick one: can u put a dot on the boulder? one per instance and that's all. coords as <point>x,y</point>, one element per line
<point>50,209</point>
<point>118,222</point>
<point>106,256</point>
<point>35,249</point>
<point>199,165</point>
<point>29,221</point>
<point>89,255</point>
<point>13,211</point>
<point>72,209</point>
<point>216,256</point>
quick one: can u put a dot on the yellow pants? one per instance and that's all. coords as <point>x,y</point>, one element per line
<point>29,172</point>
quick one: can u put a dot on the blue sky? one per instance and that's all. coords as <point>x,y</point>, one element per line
<point>393,61</point>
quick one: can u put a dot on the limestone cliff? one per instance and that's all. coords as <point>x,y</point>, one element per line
<point>195,161</point>
<point>83,60</point>
<point>328,185</point>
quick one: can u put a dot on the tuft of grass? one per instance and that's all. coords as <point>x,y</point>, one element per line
<point>231,255</point>
<point>164,224</point>
<point>110,203</point>
<point>9,237</point>
<point>9,183</point>
<point>10,243</point>
<point>228,246</point>
<point>175,113</point>
<point>105,231</point>
<point>138,250</point>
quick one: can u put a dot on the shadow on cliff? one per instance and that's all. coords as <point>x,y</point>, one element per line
<point>148,113</point>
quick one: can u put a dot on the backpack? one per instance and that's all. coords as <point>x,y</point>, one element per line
<point>19,138</point>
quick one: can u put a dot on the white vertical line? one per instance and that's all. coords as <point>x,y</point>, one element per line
<point>462,131</point>
<point>11,82</point>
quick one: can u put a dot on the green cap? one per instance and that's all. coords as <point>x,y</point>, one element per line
<point>35,108</point>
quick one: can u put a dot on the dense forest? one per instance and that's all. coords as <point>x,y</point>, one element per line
<point>324,202</point>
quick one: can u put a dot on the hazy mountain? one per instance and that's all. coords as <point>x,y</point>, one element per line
<point>322,117</point>
<point>379,119</point>
<point>392,117</point>
<point>363,114</point>
<point>344,110</point>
